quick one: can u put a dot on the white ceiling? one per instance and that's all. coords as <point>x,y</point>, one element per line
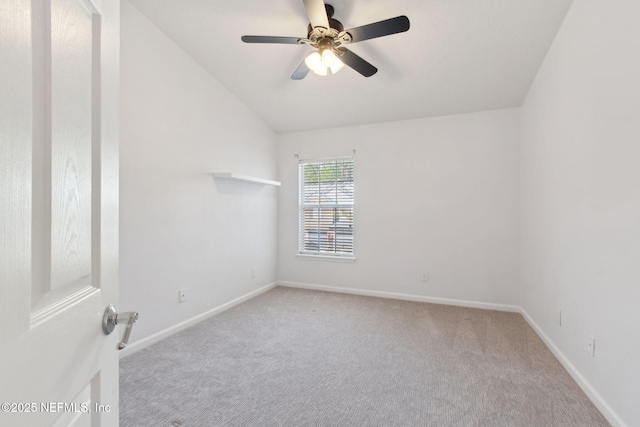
<point>458,56</point>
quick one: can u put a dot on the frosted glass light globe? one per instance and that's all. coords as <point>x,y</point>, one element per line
<point>313,60</point>
<point>320,70</point>
<point>336,66</point>
<point>328,58</point>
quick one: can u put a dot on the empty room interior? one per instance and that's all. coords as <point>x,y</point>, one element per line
<point>338,213</point>
<point>494,168</point>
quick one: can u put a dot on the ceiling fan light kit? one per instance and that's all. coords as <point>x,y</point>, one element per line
<point>328,37</point>
<point>320,63</point>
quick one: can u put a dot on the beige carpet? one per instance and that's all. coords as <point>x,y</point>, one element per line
<point>293,357</point>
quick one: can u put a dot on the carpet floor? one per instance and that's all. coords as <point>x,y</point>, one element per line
<point>292,357</point>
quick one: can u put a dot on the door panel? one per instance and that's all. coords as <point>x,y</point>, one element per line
<point>72,76</point>
<point>15,168</point>
<point>77,419</point>
<point>59,216</point>
<point>64,100</point>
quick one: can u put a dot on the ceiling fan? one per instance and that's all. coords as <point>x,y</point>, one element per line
<point>329,38</point>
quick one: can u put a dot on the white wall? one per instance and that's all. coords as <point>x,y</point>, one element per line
<point>438,195</point>
<point>180,229</point>
<point>581,198</point>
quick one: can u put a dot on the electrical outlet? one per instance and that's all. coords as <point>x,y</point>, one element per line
<point>591,346</point>
<point>425,277</point>
<point>182,296</point>
<point>253,272</point>
<point>559,318</point>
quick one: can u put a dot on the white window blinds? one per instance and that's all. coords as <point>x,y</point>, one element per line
<point>326,207</point>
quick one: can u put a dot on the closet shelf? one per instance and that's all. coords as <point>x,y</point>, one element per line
<point>237,177</point>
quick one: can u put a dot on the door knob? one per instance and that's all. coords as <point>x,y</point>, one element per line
<point>112,318</point>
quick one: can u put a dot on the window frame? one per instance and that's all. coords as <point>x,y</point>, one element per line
<point>302,228</point>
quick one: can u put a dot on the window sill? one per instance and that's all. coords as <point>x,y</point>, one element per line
<point>329,258</point>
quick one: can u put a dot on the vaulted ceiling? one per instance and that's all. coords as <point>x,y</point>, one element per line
<point>458,56</point>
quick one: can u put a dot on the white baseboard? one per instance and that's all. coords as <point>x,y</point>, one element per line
<point>405,297</point>
<point>595,397</point>
<point>158,336</point>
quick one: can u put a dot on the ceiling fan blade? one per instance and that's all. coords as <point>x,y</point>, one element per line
<point>399,24</point>
<point>270,39</point>
<point>317,13</point>
<point>357,63</point>
<point>301,72</point>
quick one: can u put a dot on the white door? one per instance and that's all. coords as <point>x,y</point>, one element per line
<point>59,63</point>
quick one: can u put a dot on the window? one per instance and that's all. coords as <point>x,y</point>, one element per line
<point>326,207</point>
